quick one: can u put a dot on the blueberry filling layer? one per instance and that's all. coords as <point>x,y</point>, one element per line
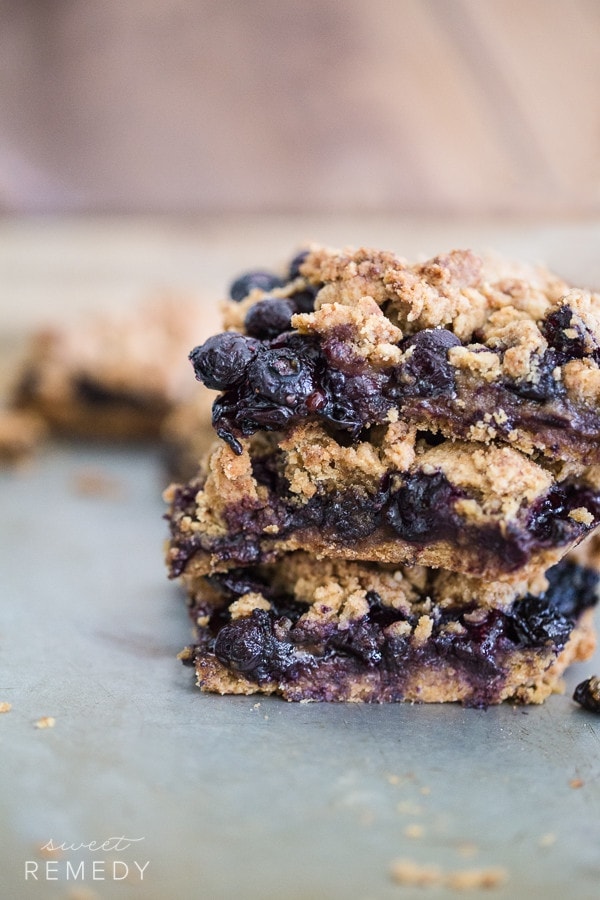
<point>283,378</point>
<point>284,646</point>
<point>417,508</point>
<point>91,393</point>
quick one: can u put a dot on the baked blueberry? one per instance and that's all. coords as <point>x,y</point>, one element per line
<point>587,694</point>
<point>423,507</point>
<point>294,269</point>
<point>241,644</point>
<point>222,360</point>
<point>427,369</point>
<point>281,376</point>
<point>269,317</point>
<point>249,281</point>
<point>567,336</point>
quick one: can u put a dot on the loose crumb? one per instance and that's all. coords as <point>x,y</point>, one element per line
<point>95,483</point>
<point>405,871</point>
<point>576,783</point>
<point>473,879</point>
<point>5,707</point>
<point>408,872</point>
<point>46,722</point>
<point>82,893</point>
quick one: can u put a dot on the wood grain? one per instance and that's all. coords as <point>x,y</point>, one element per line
<point>436,106</point>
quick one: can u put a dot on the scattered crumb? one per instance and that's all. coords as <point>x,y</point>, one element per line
<point>474,879</point>
<point>186,655</point>
<point>576,783</point>
<point>408,872</point>
<point>467,848</point>
<point>82,893</point>
<point>405,871</point>
<point>46,722</point>
<point>414,831</point>
<point>5,707</point>
<point>265,718</point>
<point>96,483</point>
<point>256,706</point>
<point>547,840</point>
<point>393,779</point>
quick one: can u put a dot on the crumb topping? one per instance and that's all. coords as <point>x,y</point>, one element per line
<point>367,332</point>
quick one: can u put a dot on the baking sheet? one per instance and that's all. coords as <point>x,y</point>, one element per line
<point>237,797</point>
<point>241,797</point>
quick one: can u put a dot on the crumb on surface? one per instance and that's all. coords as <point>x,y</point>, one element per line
<point>408,872</point>
<point>576,783</point>
<point>46,722</point>
<point>82,893</point>
<point>5,706</point>
<point>95,483</point>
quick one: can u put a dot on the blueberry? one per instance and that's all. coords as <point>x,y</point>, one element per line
<point>222,360</point>
<point>423,508</point>
<point>281,376</point>
<point>533,621</point>
<point>572,588</point>
<point>545,387</point>
<point>574,345</point>
<point>304,301</point>
<point>294,269</point>
<point>351,516</point>
<point>427,369</point>
<point>241,645</point>
<point>363,641</point>
<point>250,645</point>
<point>549,521</point>
<point>587,694</point>
<point>247,282</point>
<point>436,340</point>
<point>269,317</point>
<point>237,582</point>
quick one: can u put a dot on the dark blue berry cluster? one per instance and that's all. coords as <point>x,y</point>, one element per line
<point>272,380</point>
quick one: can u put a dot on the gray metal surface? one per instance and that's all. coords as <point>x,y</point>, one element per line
<point>240,797</point>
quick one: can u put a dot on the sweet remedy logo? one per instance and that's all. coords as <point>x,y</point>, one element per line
<point>96,869</point>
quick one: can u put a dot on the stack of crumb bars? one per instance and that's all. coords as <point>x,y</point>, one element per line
<point>408,457</point>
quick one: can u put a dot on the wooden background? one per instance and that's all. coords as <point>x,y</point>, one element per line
<point>203,106</point>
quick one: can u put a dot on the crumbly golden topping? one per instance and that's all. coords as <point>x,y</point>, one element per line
<point>457,289</point>
<point>367,331</point>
